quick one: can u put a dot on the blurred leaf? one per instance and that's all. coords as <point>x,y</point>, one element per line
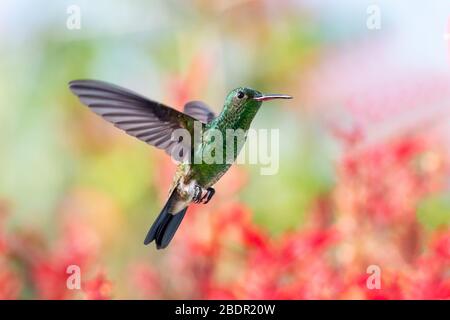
<point>305,171</point>
<point>434,212</point>
<point>125,174</point>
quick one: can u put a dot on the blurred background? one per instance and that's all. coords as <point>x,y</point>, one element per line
<point>364,150</point>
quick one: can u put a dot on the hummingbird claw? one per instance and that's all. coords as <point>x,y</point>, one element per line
<point>197,198</point>
<point>209,194</point>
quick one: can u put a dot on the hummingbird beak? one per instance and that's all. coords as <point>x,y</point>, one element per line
<point>266,97</point>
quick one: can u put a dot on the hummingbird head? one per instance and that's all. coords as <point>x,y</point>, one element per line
<point>247,99</point>
<point>242,104</point>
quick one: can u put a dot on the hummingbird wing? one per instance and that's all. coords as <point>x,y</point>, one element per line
<point>199,110</point>
<point>147,120</point>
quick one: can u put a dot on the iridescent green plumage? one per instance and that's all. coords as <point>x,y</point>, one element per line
<point>237,114</point>
<point>156,124</point>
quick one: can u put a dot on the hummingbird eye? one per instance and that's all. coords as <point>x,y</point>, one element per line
<point>240,94</point>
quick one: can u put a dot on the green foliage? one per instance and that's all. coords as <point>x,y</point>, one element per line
<point>305,172</point>
<point>434,212</point>
<point>125,175</point>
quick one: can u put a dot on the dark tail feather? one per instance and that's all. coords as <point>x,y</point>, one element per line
<point>165,226</point>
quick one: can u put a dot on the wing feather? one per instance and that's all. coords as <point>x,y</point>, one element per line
<point>199,110</point>
<point>147,120</point>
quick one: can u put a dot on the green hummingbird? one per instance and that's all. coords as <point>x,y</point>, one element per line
<point>155,124</point>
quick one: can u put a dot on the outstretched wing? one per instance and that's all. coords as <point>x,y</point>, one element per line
<point>140,117</point>
<point>199,110</point>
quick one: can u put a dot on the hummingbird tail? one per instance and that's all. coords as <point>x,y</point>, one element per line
<point>165,226</point>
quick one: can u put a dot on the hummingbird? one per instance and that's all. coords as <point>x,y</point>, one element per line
<point>155,124</point>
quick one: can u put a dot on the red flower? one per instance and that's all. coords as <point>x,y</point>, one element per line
<point>98,288</point>
<point>10,284</point>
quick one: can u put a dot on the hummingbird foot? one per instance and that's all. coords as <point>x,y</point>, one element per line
<point>197,198</point>
<point>208,195</point>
